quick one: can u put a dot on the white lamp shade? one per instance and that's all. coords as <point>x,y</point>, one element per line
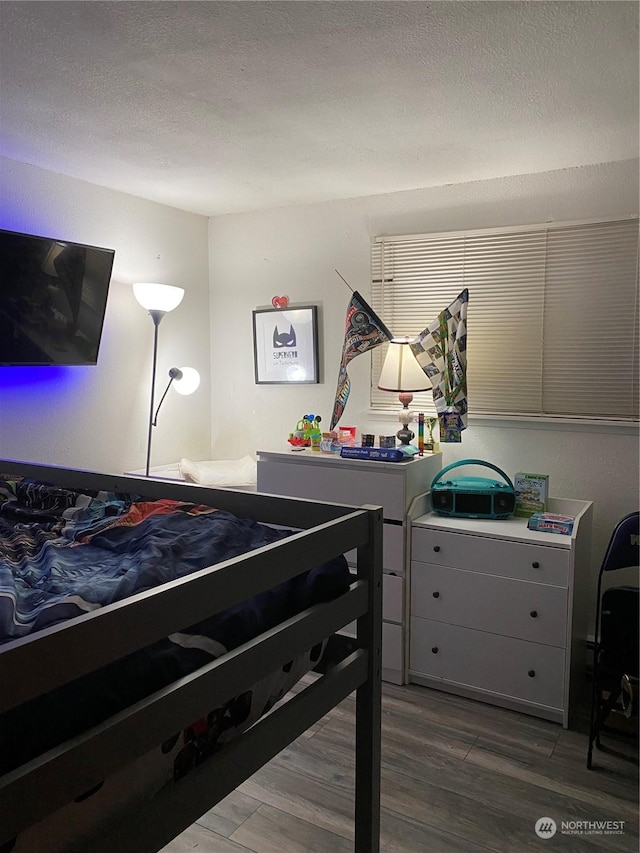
<point>158,297</point>
<point>188,382</point>
<point>400,371</point>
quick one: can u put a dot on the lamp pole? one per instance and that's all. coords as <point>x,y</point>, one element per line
<point>157,299</point>
<point>156,316</point>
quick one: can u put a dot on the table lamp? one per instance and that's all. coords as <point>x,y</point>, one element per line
<point>402,374</point>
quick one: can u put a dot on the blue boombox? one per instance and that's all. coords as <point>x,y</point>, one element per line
<point>472,497</point>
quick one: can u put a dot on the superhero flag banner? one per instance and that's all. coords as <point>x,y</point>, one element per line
<point>364,331</point>
<point>285,345</point>
<point>441,351</point>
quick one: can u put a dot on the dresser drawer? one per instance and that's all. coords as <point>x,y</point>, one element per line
<point>335,483</point>
<point>392,598</point>
<point>392,549</point>
<point>392,652</point>
<point>513,608</point>
<point>536,563</point>
<point>392,602</point>
<point>501,665</point>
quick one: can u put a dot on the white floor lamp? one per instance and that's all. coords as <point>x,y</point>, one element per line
<point>158,299</point>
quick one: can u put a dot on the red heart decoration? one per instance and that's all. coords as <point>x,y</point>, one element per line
<point>280,301</point>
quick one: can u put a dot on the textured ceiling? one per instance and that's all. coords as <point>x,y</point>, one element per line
<point>218,107</point>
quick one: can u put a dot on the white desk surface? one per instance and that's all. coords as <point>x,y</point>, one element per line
<point>315,457</point>
<point>511,528</point>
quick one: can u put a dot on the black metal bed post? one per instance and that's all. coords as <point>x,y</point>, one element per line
<point>369,694</point>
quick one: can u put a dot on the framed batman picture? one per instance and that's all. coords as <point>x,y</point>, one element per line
<point>285,345</point>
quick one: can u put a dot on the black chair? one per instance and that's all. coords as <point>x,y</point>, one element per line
<point>615,660</point>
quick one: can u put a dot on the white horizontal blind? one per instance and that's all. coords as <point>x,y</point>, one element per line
<point>591,321</point>
<point>552,316</point>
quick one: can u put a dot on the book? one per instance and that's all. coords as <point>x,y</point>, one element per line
<point>381,454</point>
<point>549,522</point>
<point>532,493</point>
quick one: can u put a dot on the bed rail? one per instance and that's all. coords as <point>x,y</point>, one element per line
<point>149,828</point>
<point>42,786</point>
<point>126,626</point>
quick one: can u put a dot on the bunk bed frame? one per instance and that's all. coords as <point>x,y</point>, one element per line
<point>59,654</point>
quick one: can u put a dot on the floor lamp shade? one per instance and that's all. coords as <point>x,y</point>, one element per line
<point>185,379</point>
<point>158,297</point>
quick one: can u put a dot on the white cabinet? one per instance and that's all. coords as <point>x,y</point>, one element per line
<point>498,612</point>
<point>401,488</point>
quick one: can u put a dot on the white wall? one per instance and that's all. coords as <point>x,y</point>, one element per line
<point>294,251</point>
<point>96,417</point>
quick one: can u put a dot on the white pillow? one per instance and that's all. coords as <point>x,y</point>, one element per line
<point>223,472</point>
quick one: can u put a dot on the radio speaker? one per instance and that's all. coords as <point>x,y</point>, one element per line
<point>472,497</point>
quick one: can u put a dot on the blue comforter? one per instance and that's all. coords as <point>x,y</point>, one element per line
<point>64,553</point>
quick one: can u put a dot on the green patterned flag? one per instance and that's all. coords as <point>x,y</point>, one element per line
<point>441,351</point>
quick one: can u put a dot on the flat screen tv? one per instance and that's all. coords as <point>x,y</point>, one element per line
<point>53,297</point>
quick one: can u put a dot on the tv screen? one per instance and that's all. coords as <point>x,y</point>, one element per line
<point>53,297</point>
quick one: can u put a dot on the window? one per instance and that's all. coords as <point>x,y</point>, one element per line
<point>552,316</point>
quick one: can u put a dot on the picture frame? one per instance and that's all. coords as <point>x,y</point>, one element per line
<point>285,345</point>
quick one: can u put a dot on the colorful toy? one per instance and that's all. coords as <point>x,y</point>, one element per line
<point>307,432</point>
<point>347,435</point>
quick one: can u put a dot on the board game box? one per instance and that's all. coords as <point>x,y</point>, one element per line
<point>532,493</point>
<point>549,522</point>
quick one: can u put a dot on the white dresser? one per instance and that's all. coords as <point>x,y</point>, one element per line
<point>498,612</point>
<point>401,488</point>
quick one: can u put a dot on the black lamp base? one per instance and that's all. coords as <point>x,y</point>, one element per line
<point>405,435</point>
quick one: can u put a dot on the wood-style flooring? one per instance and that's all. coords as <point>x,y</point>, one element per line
<point>458,776</point>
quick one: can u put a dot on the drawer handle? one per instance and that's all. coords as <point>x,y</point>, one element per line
<point>536,565</point>
<point>533,614</point>
<point>436,548</point>
<point>434,650</point>
<point>436,594</point>
<point>532,673</point>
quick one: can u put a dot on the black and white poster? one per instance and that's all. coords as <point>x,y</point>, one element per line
<point>285,345</point>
